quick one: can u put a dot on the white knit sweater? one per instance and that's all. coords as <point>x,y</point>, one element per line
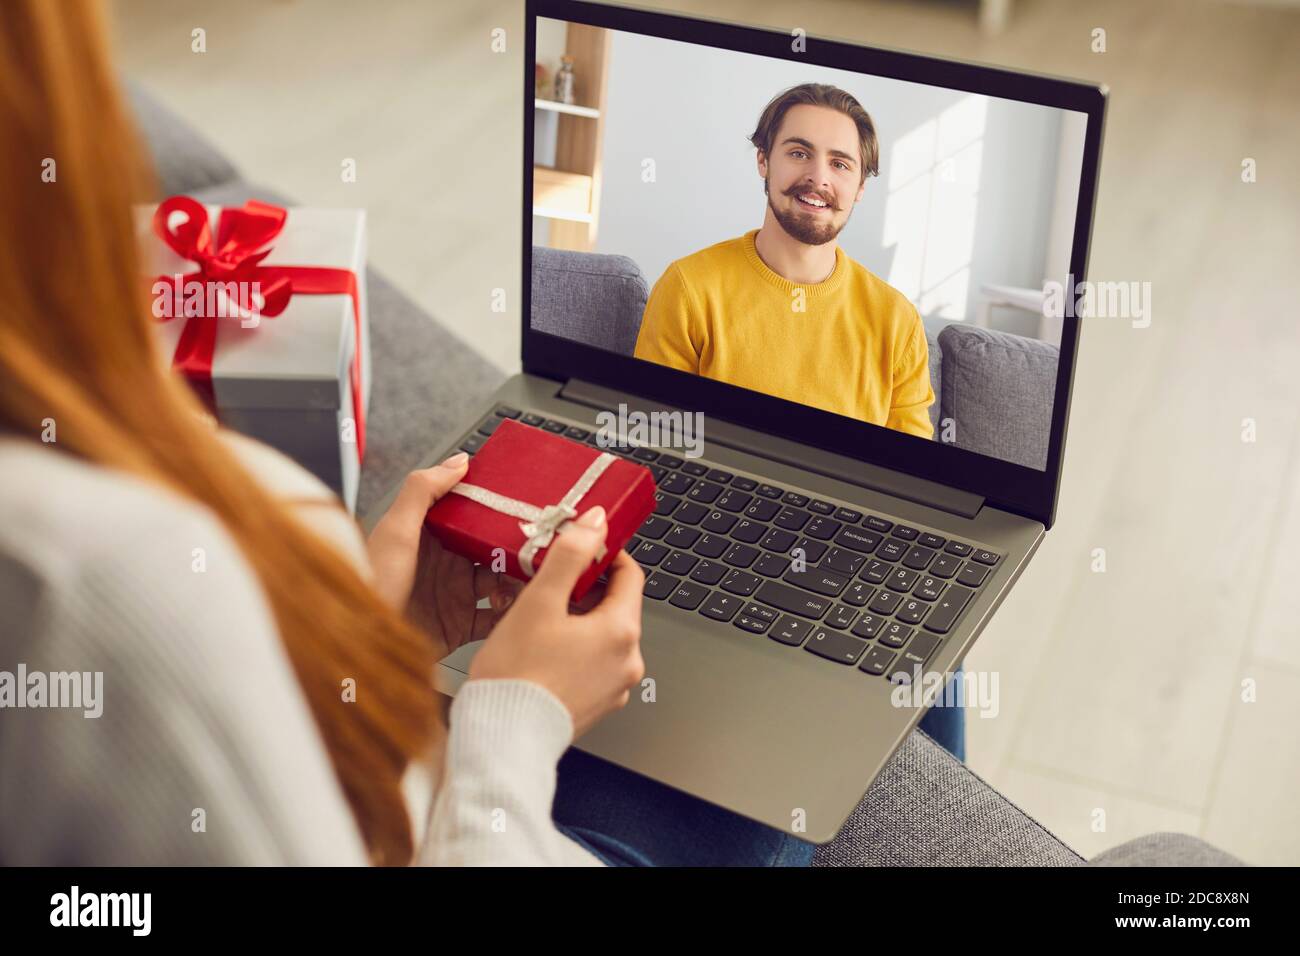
<point>206,751</point>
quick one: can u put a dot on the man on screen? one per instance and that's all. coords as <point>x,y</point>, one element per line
<point>782,310</point>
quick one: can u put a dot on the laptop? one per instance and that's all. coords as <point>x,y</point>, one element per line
<point>808,555</point>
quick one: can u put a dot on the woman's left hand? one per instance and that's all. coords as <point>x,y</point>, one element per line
<point>439,591</point>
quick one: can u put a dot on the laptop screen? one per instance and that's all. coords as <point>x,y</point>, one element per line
<point>884,250</point>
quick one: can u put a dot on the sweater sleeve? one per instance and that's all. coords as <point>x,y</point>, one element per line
<point>667,334</point>
<point>498,780</point>
<point>913,394</point>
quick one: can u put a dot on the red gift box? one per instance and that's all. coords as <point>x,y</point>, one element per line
<point>514,497</point>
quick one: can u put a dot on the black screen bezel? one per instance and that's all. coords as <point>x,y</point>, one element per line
<point>1012,487</point>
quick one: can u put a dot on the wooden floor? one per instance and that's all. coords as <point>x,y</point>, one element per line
<point>1160,694</point>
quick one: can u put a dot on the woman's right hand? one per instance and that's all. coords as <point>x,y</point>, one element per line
<point>589,661</point>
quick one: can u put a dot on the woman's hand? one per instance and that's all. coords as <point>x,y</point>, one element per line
<point>439,591</point>
<point>589,661</point>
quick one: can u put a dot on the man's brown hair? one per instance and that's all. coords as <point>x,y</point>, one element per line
<point>820,94</point>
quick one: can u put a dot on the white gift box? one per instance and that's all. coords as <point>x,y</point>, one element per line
<point>286,380</point>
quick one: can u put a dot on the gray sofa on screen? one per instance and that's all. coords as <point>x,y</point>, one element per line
<point>994,390</point>
<point>926,806</point>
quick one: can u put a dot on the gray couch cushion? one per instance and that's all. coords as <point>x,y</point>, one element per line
<point>185,160</point>
<point>425,380</point>
<point>998,390</point>
<point>593,298</point>
<point>928,809</point>
<point>936,377</point>
<point>1164,849</point>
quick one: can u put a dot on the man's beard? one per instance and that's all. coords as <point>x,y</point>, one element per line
<point>803,227</point>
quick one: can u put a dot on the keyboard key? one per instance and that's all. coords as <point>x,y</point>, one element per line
<point>670,461</point>
<point>676,483</point>
<point>748,531</point>
<point>792,519</point>
<point>704,492</point>
<point>760,612</point>
<point>843,560</point>
<point>835,646</point>
<point>741,582</point>
<point>790,630</point>
<point>681,537</point>
<point>576,433</point>
<point>891,550</point>
<point>658,472</point>
<point>709,572</point>
<point>770,491</point>
<point>665,504</point>
<point>957,548</point>
<point>690,513</point>
<point>922,646</point>
<point>858,540</point>
<point>945,566</point>
<point>720,476</point>
<point>659,585</point>
<point>901,580</point>
<point>875,572</point>
<point>906,532</point>
<point>895,634</point>
<point>744,484</point>
<point>911,611</point>
<point>817,580</point>
<point>918,557</point>
<point>823,528</point>
<point>876,660</point>
<point>688,595</point>
<point>792,600</point>
<point>821,507</point>
<point>751,624</point>
<point>645,454</point>
<point>472,444</point>
<point>885,601</point>
<point>857,594</point>
<point>679,562</point>
<point>718,522</point>
<point>488,425</point>
<point>868,625</point>
<point>655,527</point>
<point>531,418</point>
<point>972,575</point>
<point>771,565</point>
<point>928,589</point>
<point>985,557</point>
<point>695,469</point>
<point>848,514</point>
<point>505,411</point>
<point>720,607</point>
<point>841,616</point>
<point>632,544</point>
<point>779,541</point>
<point>741,555</point>
<point>877,524</point>
<point>948,609</point>
<point>734,501</point>
<point>929,540</point>
<point>551,425</point>
<point>648,553</point>
<point>711,545</point>
<point>811,551</point>
<point>794,498</point>
<point>763,510</point>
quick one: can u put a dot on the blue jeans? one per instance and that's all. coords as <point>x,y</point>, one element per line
<point>626,819</point>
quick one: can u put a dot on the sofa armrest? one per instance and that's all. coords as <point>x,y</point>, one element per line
<point>592,298</point>
<point>185,161</point>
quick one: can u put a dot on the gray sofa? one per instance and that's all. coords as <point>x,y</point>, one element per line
<point>926,807</point>
<point>995,390</point>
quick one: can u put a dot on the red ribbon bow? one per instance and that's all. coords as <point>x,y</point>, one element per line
<point>236,256</point>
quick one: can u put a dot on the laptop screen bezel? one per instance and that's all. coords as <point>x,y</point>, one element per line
<point>1003,484</point>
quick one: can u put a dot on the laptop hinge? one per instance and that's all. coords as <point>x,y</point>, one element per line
<point>924,492</point>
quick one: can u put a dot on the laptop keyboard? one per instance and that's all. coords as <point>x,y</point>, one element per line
<point>858,589</point>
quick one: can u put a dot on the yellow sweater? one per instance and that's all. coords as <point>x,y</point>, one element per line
<point>857,348</point>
